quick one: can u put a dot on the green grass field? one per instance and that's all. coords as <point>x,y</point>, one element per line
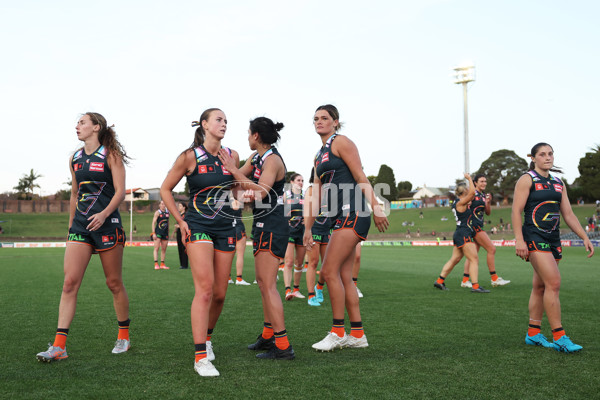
<point>54,225</point>
<point>424,343</point>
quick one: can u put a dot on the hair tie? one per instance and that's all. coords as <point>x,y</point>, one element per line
<point>529,155</point>
<point>195,123</point>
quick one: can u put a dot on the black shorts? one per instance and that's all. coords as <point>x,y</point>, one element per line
<point>221,242</point>
<point>162,236</point>
<point>321,239</point>
<point>100,241</point>
<point>477,229</point>
<point>240,235</point>
<point>267,241</point>
<point>297,239</point>
<point>545,248</point>
<point>463,236</point>
<point>359,225</point>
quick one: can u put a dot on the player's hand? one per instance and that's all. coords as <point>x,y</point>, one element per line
<point>589,247</point>
<point>185,230</point>
<point>380,219</point>
<point>308,239</point>
<point>521,249</point>
<point>248,196</point>
<point>227,161</point>
<point>96,222</point>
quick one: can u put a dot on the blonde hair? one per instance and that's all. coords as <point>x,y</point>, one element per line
<point>461,189</point>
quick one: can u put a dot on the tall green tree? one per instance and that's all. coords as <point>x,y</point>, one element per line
<point>386,176</point>
<point>27,184</point>
<point>404,188</point>
<point>65,194</point>
<point>372,179</point>
<point>589,171</point>
<point>502,169</point>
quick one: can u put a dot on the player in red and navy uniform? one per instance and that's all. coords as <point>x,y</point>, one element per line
<point>542,197</point>
<point>480,206</point>
<point>208,227</point>
<point>160,234</point>
<point>294,202</point>
<point>464,238</point>
<point>98,188</point>
<point>339,170</point>
<point>263,179</point>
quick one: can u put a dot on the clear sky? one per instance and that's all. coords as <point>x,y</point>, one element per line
<point>151,67</point>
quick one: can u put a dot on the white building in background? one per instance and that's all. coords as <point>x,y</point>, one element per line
<point>138,194</point>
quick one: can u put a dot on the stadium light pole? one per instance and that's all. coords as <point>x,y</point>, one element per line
<point>463,75</point>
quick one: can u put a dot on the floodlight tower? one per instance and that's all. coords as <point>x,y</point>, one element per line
<point>463,75</point>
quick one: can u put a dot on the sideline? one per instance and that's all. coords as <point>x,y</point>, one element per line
<point>368,243</point>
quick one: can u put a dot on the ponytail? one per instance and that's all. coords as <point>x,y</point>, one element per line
<point>199,135</point>
<point>108,137</point>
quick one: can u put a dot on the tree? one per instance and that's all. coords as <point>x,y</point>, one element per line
<point>27,184</point>
<point>404,188</point>
<point>65,194</point>
<point>589,170</point>
<point>502,169</point>
<point>386,176</point>
<point>372,179</point>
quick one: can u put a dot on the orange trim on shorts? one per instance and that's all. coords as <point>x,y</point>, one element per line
<point>116,241</point>
<point>349,227</point>
<point>269,249</point>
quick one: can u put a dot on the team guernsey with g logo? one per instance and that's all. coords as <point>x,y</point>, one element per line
<point>541,228</point>
<point>478,208</point>
<point>95,191</point>
<point>270,230</point>
<point>210,216</point>
<point>344,200</point>
<point>463,233</point>
<point>293,206</point>
<point>162,225</point>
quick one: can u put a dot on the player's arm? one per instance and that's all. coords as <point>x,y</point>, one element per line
<point>463,203</point>
<point>73,198</point>
<point>573,223</point>
<point>349,153</point>
<point>488,204</point>
<point>521,194</point>
<point>185,164</point>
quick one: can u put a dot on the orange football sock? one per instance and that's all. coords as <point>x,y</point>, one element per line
<point>475,285</point>
<point>200,351</point>
<point>320,286</point>
<point>558,333</point>
<point>124,329</point>
<point>440,280</point>
<point>281,340</point>
<point>338,327</point>
<point>356,329</point>
<point>267,331</point>
<point>533,330</point>
<point>60,340</point>
<point>465,278</point>
<point>494,276</point>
